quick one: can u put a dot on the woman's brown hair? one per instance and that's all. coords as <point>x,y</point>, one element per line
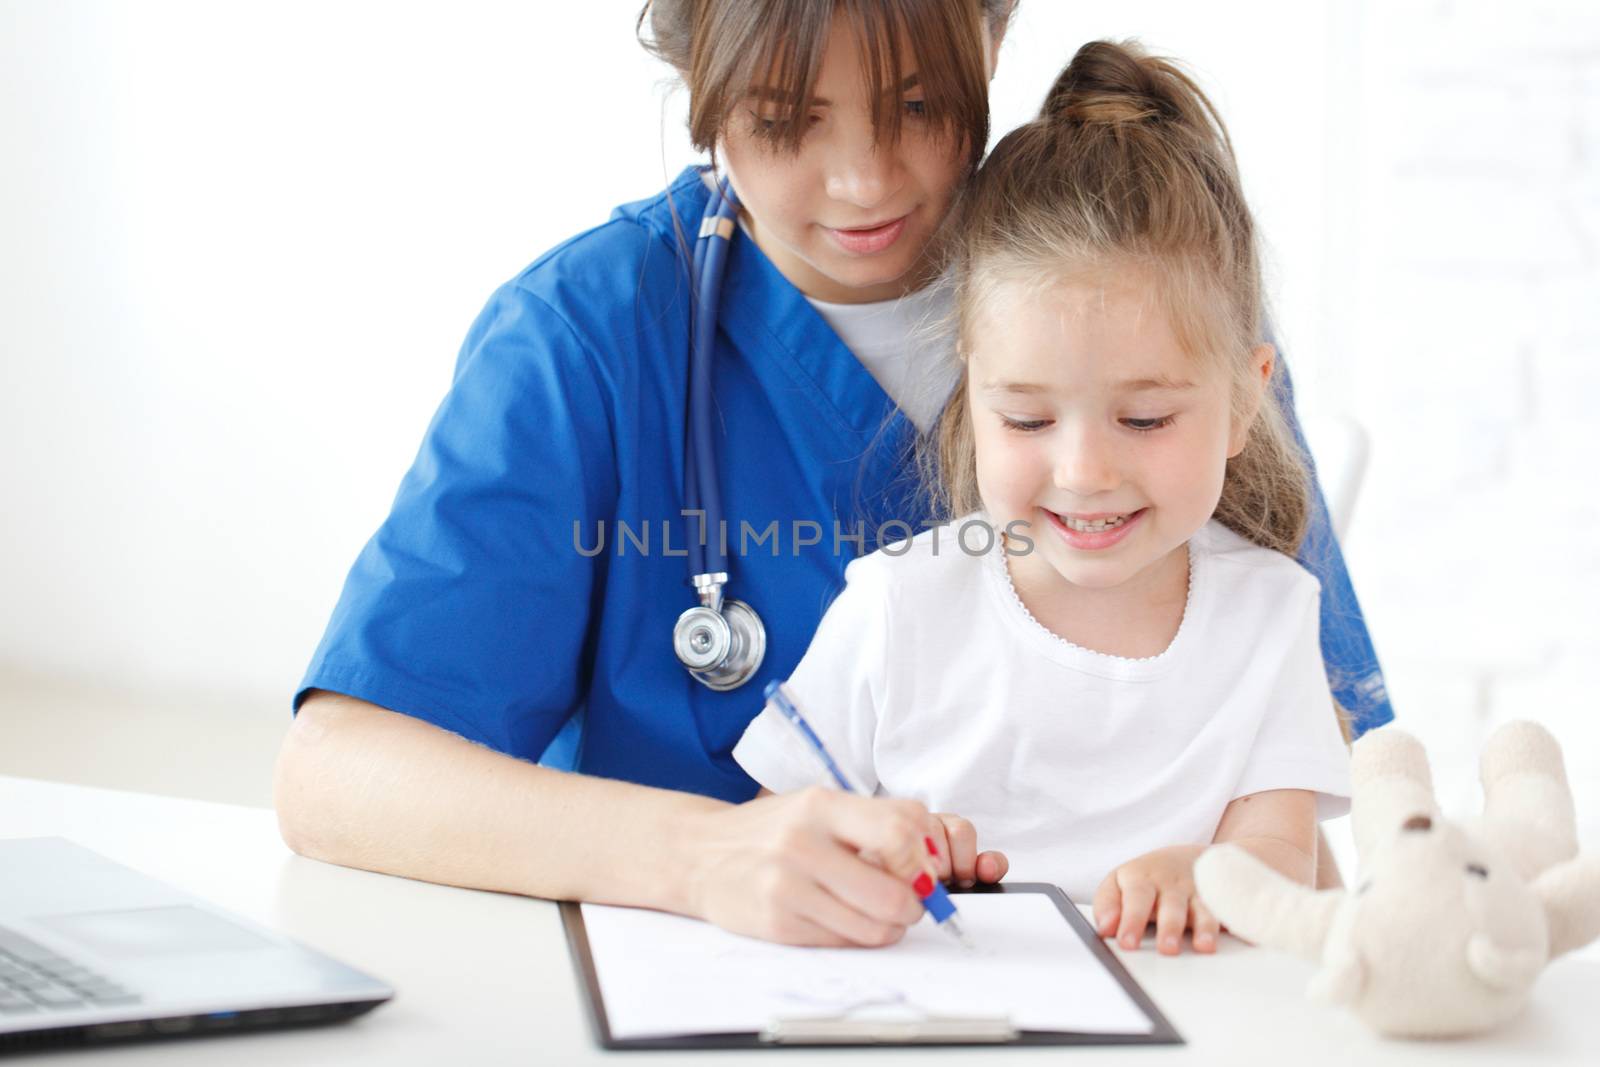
<point>721,47</point>
<point>1129,165</point>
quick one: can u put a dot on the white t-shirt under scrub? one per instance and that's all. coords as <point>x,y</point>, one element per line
<point>905,344</point>
<point>929,679</point>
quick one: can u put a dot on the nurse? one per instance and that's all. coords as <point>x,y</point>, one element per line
<point>524,581</point>
<point>519,602</point>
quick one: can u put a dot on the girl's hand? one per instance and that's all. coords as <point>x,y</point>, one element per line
<point>795,868</point>
<point>959,861</point>
<point>1159,884</point>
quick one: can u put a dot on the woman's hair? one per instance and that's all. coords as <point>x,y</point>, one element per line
<point>1128,166</point>
<point>720,48</point>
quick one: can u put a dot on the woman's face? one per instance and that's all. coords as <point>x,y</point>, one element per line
<point>846,220</point>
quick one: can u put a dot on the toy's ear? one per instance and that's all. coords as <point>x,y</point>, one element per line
<point>1261,905</point>
<point>1527,803</point>
<point>1502,968</point>
<point>1391,784</point>
<point>1571,895</point>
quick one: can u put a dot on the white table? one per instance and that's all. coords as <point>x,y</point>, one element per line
<point>485,978</point>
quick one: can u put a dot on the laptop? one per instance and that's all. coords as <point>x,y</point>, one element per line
<point>91,951</point>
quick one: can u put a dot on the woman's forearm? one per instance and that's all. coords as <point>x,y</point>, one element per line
<point>365,787</point>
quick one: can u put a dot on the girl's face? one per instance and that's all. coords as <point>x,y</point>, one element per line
<point>846,220</point>
<point>1092,425</point>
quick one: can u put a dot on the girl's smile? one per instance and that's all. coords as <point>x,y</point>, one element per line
<point>1092,533</point>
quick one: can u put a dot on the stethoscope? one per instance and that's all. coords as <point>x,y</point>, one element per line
<point>721,641</point>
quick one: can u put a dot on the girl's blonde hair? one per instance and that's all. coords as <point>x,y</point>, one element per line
<point>1129,165</point>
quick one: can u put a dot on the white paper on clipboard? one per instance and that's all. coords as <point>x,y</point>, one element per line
<point>664,975</point>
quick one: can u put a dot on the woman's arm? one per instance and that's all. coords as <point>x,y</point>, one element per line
<point>362,786</point>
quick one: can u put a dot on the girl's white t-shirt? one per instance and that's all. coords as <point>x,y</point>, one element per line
<point>929,679</point>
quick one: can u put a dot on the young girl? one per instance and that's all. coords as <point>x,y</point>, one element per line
<point>1112,660</point>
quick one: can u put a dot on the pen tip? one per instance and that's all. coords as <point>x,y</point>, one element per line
<point>958,932</point>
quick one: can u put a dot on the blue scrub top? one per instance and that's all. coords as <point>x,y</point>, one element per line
<point>481,606</point>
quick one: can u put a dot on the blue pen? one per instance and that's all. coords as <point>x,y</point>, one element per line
<point>934,898</point>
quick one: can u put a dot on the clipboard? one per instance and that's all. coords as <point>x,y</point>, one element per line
<point>846,1030</point>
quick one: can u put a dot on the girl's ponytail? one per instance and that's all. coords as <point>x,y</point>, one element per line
<point>1110,85</point>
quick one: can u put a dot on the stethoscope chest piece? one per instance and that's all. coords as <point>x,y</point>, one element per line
<point>722,649</point>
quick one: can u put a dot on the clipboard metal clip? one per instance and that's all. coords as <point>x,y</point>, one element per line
<point>897,1030</point>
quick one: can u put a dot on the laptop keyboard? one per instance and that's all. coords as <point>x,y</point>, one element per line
<point>34,979</point>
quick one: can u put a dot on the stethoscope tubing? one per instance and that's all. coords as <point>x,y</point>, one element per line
<point>721,641</point>
<point>702,492</point>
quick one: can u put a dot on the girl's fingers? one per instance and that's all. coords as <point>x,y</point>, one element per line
<point>1172,915</point>
<point>1205,925</point>
<point>1138,899</point>
<point>1107,906</point>
<point>960,865</point>
<point>991,866</point>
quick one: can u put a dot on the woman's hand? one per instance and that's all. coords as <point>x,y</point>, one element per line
<point>792,868</point>
<point>1159,884</point>
<point>959,861</point>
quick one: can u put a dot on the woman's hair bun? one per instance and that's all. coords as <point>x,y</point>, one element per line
<point>1118,83</point>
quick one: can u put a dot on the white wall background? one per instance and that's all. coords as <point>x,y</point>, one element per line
<point>240,244</point>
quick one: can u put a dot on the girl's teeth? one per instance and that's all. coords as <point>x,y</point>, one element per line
<point>1095,526</point>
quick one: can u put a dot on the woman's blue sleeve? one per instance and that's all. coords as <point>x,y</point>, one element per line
<point>1347,651</point>
<point>469,608</point>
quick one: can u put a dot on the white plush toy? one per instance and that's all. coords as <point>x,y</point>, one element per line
<point>1449,923</point>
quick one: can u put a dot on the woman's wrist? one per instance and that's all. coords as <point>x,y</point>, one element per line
<point>683,833</point>
<point>602,841</point>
